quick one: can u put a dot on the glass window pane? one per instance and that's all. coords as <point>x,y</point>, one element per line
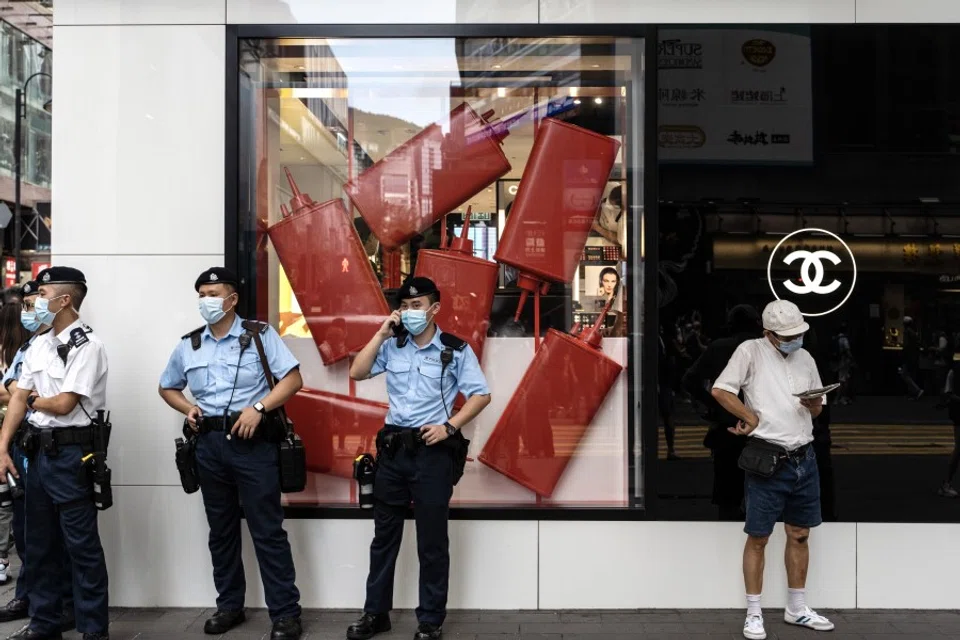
<point>363,161</point>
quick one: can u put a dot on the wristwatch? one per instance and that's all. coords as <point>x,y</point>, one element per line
<point>259,407</point>
<point>450,428</point>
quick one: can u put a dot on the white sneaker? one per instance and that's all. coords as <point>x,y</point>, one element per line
<point>808,618</point>
<point>947,491</point>
<point>3,572</point>
<point>753,628</point>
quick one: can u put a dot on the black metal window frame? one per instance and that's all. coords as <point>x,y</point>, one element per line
<point>240,239</point>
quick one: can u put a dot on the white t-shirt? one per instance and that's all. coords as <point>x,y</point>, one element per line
<point>769,380</point>
<point>84,373</point>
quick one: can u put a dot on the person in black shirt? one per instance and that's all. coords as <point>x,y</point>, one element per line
<point>744,324</point>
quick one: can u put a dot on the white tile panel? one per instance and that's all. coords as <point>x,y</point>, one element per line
<point>697,11</point>
<point>493,564</point>
<point>139,140</point>
<point>380,11</point>
<point>140,306</point>
<point>629,565</point>
<point>901,11</point>
<point>100,12</point>
<point>907,566</point>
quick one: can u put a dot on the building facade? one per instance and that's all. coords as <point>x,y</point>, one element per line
<point>227,133</point>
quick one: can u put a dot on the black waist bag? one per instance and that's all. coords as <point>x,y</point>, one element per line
<point>459,446</point>
<point>761,458</point>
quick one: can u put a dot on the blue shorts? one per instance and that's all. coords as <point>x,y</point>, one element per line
<point>791,495</point>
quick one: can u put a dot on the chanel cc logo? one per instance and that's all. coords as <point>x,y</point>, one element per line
<point>812,260</point>
<point>818,265</point>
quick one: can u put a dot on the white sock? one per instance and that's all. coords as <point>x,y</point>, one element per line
<point>753,605</point>
<point>798,600</point>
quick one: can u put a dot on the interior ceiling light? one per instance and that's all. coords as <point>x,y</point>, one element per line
<point>577,101</point>
<point>496,66</point>
<point>598,100</point>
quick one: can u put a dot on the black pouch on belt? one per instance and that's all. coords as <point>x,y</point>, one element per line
<point>186,459</point>
<point>293,464</point>
<point>761,458</point>
<point>459,446</point>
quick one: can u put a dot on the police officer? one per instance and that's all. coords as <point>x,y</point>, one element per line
<point>236,458</point>
<point>63,380</point>
<point>18,607</point>
<point>426,368</point>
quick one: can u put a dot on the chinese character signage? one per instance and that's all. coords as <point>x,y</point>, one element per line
<point>735,95</point>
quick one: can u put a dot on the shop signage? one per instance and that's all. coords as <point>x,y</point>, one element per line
<point>9,272</point>
<point>814,276</point>
<point>36,268</point>
<point>735,95</point>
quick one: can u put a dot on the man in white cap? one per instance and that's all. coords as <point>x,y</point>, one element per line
<point>782,482</point>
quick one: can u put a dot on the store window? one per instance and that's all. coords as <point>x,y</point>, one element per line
<point>505,170</point>
<point>827,178</point>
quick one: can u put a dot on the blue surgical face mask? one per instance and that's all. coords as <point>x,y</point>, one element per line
<point>414,320</point>
<point>211,309</point>
<point>42,307</point>
<point>792,346</point>
<point>29,320</point>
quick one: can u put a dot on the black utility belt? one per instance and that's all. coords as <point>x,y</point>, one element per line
<point>392,438</point>
<point>33,440</point>
<point>271,427</point>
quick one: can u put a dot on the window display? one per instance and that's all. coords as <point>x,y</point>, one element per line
<point>493,166</point>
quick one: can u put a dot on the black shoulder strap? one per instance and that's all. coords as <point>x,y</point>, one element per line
<point>254,327</point>
<point>194,337</point>
<point>452,341</point>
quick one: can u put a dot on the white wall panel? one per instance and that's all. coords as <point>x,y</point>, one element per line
<point>628,565</point>
<point>73,12</point>
<point>906,11</point>
<point>696,11</point>
<point>138,140</point>
<point>379,11</point>
<point>160,306</point>
<point>907,566</point>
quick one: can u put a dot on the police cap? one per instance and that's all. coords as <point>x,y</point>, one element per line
<point>416,287</point>
<point>216,275</point>
<point>30,288</point>
<point>61,275</point>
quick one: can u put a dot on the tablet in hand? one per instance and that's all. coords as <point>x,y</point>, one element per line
<point>816,393</point>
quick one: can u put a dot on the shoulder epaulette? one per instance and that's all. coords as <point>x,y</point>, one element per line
<point>452,341</point>
<point>194,337</point>
<point>254,326</point>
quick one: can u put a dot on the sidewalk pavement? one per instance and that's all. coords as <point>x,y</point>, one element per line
<point>187,624</point>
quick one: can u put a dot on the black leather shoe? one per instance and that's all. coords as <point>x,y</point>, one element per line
<point>427,631</point>
<point>369,625</point>
<point>14,610</point>
<point>223,621</point>
<point>286,629</point>
<point>29,634</point>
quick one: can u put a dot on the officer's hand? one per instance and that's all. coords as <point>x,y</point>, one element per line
<point>246,425</point>
<point>193,415</point>
<point>433,433</point>
<point>386,329</point>
<point>6,465</point>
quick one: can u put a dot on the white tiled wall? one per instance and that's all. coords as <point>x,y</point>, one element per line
<point>696,11</point>
<point>138,205</point>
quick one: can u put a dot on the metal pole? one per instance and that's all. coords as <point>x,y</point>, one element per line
<point>17,155</point>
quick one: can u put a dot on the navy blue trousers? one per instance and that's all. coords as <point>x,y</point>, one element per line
<point>60,510</point>
<point>238,471</point>
<point>20,540</point>
<point>426,479</point>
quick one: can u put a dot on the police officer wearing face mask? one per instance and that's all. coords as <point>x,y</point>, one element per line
<point>426,369</point>
<point>18,607</point>
<point>236,461</point>
<point>63,380</point>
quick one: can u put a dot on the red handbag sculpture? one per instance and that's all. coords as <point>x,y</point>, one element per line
<point>466,285</point>
<point>321,253</point>
<point>328,422</point>
<point>428,176</point>
<point>562,389</point>
<point>556,205</point>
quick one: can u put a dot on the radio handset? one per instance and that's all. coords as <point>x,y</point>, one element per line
<point>400,333</point>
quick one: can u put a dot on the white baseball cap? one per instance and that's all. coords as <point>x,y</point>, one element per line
<point>783,318</point>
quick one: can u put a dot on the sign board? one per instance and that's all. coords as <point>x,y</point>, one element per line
<point>735,95</point>
<point>37,267</point>
<point>9,272</point>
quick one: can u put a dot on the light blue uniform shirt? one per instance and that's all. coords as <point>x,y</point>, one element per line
<point>13,371</point>
<point>413,380</point>
<point>210,371</point>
